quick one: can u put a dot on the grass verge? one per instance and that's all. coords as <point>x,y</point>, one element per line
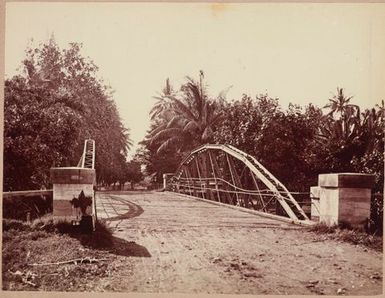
<point>342,233</point>
<point>33,256</point>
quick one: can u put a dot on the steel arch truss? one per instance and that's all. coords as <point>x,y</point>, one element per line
<point>225,174</point>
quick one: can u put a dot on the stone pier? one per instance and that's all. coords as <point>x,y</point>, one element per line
<point>342,198</point>
<point>68,182</point>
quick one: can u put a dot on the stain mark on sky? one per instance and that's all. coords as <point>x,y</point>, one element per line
<point>218,8</point>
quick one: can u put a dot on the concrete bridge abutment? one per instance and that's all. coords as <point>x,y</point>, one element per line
<point>68,203</point>
<point>342,198</point>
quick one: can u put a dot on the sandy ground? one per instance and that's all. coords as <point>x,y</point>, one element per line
<point>170,243</point>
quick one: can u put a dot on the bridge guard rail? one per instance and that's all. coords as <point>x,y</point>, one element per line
<point>27,193</point>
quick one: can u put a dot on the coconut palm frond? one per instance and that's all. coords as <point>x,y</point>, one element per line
<point>159,97</point>
<point>207,133</point>
<point>183,109</point>
<point>189,115</point>
<point>156,110</point>
<point>177,119</point>
<point>191,126</point>
<point>205,112</point>
<point>169,143</point>
<point>156,130</point>
<point>195,94</point>
<point>166,133</point>
<point>168,90</point>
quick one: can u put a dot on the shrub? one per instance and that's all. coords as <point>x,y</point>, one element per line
<point>375,225</point>
<point>347,234</point>
<point>19,207</point>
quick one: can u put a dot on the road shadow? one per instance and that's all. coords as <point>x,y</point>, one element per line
<point>103,240</point>
<point>117,246</point>
<point>125,248</point>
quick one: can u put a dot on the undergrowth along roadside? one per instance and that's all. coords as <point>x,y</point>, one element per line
<point>349,235</point>
<point>28,247</point>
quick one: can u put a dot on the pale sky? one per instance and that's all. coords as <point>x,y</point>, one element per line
<point>298,52</point>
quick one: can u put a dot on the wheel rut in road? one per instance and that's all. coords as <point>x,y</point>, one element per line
<point>113,208</point>
<point>197,247</point>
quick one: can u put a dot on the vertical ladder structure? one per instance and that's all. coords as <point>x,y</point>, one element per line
<point>87,160</point>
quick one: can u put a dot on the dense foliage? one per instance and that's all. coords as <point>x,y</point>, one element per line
<point>50,108</point>
<point>295,144</point>
<point>181,120</point>
<point>281,140</point>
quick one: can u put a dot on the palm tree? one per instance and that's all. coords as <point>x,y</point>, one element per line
<point>381,110</point>
<point>349,120</point>
<point>339,131</point>
<point>166,134</point>
<point>191,120</point>
<point>339,104</point>
<point>164,102</point>
<point>374,120</point>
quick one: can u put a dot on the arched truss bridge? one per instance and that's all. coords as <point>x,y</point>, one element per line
<point>225,174</point>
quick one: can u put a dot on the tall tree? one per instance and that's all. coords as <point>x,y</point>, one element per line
<point>279,139</point>
<point>340,105</point>
<point>352,141</point>
<point>55,103</point>
<point>190,120</point>
<point>181,120</point>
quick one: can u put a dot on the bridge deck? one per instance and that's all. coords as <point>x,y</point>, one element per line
<point>172,243</point>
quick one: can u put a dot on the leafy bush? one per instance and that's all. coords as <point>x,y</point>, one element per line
<point>19,207</point>
<point>376,214</point>
<point>46,240</point>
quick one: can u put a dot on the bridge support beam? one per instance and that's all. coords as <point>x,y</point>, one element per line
<point>344,198</point>
<point>214,176</point>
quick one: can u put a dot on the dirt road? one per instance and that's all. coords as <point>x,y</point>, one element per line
<point>170,243</point>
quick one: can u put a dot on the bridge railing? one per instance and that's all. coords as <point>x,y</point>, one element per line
<point>27,193</point>
<point>213,189</point>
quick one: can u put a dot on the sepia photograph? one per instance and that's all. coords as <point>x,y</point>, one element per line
<point>193,148</point>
